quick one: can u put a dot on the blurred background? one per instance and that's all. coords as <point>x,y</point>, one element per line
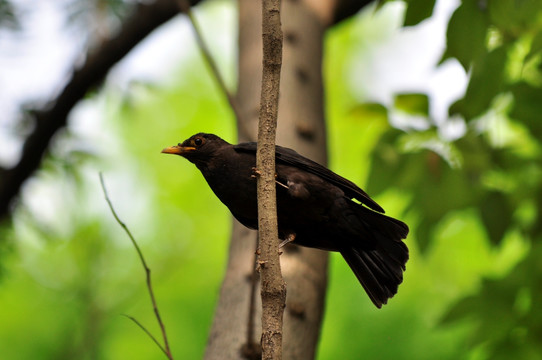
<point>435,111</point>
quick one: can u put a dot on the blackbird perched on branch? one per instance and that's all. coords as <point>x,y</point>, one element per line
<point>315,207</point>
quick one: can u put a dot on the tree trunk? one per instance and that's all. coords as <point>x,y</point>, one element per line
<point>301,126</point>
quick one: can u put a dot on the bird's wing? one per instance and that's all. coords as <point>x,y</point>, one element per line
<point>291,157</point>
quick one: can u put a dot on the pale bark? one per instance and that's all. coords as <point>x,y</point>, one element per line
<point>301,126</point>
<point>273,289</point>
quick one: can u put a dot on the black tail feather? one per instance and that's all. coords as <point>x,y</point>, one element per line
<point>379,274</point>
<point>365,275</point>
<point>377,255</point>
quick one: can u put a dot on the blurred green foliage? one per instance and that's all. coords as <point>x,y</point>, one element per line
<point>418,10</point>
<point>473,285</point>
<point>493,172</point>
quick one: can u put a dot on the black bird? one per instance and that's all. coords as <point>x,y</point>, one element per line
<point>315,207</point>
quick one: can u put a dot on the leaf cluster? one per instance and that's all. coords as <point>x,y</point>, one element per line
<point>494,168</point>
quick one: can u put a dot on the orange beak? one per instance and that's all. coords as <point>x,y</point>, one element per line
<point>178,150</point>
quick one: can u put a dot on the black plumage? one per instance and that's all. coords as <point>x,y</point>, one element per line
<point>314,204</point>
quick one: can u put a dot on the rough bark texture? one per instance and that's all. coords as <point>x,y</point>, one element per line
<point>301,126</point>
<point>273,289</point>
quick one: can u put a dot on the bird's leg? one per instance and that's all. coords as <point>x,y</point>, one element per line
<point>289,239</point>
<point>257,173</point>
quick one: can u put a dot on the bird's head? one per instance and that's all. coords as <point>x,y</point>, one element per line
<point>198,148</point>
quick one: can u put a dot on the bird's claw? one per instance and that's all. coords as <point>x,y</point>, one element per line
<point>289,239</point>
<point>255,173</point>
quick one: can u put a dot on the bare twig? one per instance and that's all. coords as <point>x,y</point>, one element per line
<point>273,289</point>
<point>165,348</point>
<point>185,7</point>
<point>148,333</point>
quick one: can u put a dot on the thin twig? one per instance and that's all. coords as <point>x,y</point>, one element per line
<point>52,117</point>
<point>165,349</point>
<point>147,332</point>
<point>185,7</point>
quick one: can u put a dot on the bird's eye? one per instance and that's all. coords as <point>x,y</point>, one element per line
<point>198,141</point>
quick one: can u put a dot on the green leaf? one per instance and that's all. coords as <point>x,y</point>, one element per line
<point>430,140</point>
<point>413,163</point>
<point>536,45</point>
<point>417,11</point>
<point>464,308</point>
<point>528,106</point>
<point>424,233</point>
<point>513,18</point>
<point>496,214</point>
<point>466,34</point>
<point>386,160</point>
<point>516,331</point>
<point>414,104</point>
<point>457,108</point>
<point>487,80</point>
<point>370,110</point>
<point>381,3</point>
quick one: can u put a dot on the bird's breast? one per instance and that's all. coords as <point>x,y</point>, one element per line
<point>233,183</point>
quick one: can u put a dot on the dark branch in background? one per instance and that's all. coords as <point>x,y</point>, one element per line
<point>164,348</point>
<point>273,289</point>
<point>146,18</point>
